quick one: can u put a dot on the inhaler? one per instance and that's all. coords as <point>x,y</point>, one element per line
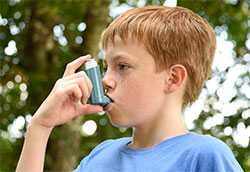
<point>97,96</point>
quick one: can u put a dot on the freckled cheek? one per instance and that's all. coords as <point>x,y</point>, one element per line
<point>127,92</point>
<point>136,97</point>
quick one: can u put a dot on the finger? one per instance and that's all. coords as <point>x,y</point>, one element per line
<point>88,109</point>
<point>74,91</point>
<point>81,82</point>
<point>74,65</point>
<point>74,75</point>
<point>80,75</point>
<point>89,83</point>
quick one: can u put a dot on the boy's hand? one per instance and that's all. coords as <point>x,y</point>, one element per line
<point>68,98</point>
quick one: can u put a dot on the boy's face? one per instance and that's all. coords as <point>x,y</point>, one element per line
<point>137,91</point>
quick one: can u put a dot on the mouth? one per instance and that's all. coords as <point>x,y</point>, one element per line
<point>110,98</point>
<point>108,106</point>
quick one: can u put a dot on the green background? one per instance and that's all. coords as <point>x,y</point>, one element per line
<point>42,53</point>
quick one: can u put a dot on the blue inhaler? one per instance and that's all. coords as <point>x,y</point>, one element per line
<point>97,96</point>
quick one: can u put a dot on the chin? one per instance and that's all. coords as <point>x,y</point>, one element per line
<point>118,122</point>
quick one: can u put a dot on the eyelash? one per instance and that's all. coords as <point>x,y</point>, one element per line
<point>120,66</point>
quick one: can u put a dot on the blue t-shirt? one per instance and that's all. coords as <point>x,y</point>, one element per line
<point>190,152</point>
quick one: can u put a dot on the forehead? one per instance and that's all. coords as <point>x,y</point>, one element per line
<point>118,56</point>
<point>130,50</point>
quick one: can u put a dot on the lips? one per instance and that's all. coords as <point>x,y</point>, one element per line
<point>108,107</point>
<point>109,98</point>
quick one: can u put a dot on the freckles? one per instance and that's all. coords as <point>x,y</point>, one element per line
<point>135,94</point>
<point>130,92</point>
<point>133,91</point>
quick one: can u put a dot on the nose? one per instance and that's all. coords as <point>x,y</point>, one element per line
<point>108,83</point>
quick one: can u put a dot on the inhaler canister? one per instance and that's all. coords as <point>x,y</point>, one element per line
<point>97,96</point>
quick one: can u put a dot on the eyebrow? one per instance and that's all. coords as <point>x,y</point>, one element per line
<point>116,58</point>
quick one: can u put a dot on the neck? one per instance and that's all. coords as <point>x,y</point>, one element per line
<point>155,131</point>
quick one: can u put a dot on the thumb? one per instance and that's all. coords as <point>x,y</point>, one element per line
<point>88,108</point>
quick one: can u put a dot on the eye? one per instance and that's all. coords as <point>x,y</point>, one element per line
<point>122,67</point>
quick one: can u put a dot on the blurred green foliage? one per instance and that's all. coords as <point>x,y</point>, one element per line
<point>48,35</point>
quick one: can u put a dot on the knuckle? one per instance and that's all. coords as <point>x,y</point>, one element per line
<point>82,73</point>
<point>80,80</point>
<point>85,74</point>
<point>76,89</point>
<point>59,92</point>
<point>75,86</point>
<point>69,65</point>
<point>58,82</point>
<point>79,89</point>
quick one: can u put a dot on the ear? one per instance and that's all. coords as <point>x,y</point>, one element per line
<point>177,75</point>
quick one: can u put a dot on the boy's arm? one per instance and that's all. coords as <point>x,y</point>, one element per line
<point>33,153</point>
<point>66,101</point>
<point>215,155</point>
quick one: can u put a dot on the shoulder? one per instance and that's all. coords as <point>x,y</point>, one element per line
<point>100,152</point>
<point>108,144</point>
<point>210,153</point>
<point>209,144</point>
<point>199,143</point>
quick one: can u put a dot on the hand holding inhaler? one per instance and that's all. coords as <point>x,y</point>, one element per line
<point>69,95</point>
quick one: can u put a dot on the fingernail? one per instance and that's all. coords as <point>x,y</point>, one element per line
<point>86,57</point>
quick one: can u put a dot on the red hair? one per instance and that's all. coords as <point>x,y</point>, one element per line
<point>172,35</point>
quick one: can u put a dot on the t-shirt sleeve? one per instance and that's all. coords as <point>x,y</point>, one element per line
<point>82,164</point>
<point>94,152</point>
<point>215,156</point>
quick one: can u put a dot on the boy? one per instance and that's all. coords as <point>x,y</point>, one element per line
<point>158,59</point>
